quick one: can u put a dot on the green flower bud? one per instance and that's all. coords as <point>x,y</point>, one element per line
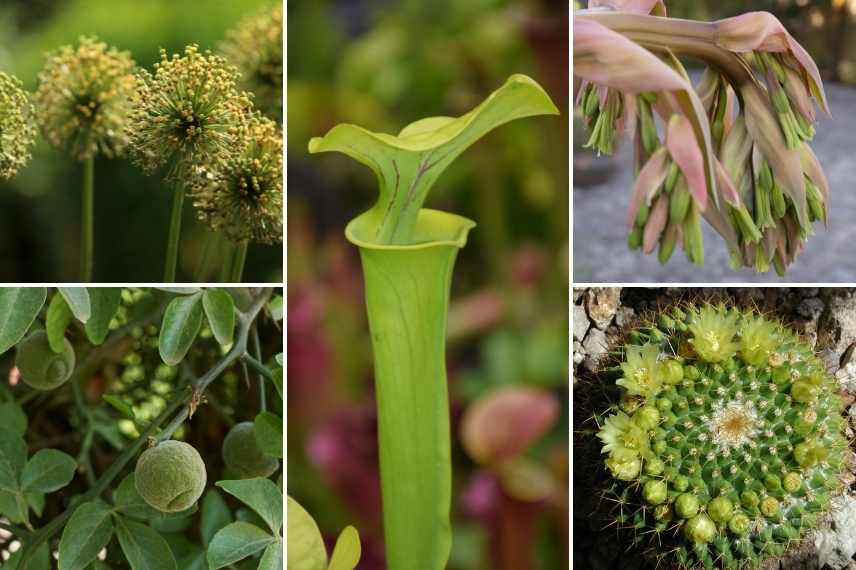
<point>655,492</point>
<point>700,529</point>
<point>769,506</point>
<point>720,509</point>
<point>243,456</point>
<point>739,524</point>
<point>647,417</point>
<point>750,499</point>
<point>40,367</point>
<point>772,482</point>
<point>792,482</point>
<point>624,467</point>
<point>171,476</point>
<point>671,371</point>
<point>663,512</point>
<point>691,372</point>
<point>686,506</point>
<point>681,483</point>
<point>804,392</point>
<point>654,466</point>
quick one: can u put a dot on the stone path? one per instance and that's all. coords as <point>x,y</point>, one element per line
<point>601,254</point>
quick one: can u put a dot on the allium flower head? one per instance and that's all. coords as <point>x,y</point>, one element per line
<point>83,99</point>
<point>17,132</point>
<point>255,48</point>
<point>189,113</point>
<point>242,197</point>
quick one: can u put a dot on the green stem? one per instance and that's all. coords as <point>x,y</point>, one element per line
<point>87,222</point>
<point>258,367</point>
<point>238,263</point>
<point>202,268</point>
<point>257,353</point>
<point>227,255</point>
<point>174,234</point>
<point>238,349</point>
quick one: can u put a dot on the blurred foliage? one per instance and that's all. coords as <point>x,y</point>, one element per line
<point>39,210</point>
<point>382,65</point>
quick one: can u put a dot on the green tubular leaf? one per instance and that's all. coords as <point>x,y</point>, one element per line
<point>268,432</point>
<point>19,307</point>
<point>87,531</point>
<point>47,471</point>
<point>58,318</point>
<point>306,549</point>
<point>235,542</point>
<point>407,293</point>
<point>220,311</point>
<point>105,303</point>
<point>261,495</point>
<point>144,547</point>
<point>407,165</point>
<point>78,301</point>
<point>181,323</point>
<point>347,552</point>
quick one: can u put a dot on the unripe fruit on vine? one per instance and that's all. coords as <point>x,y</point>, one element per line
<point>741,450</point>
<point>243,456</point>
<point>171,476</point>
<point>40,367</point>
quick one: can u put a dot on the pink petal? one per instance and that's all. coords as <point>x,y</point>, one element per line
<point>608,58</point>
<point>685,150</point>
<point>726,186</point>
<point>649,179</point>
<point>633,6</point>
<point>764,32</point>
<point>656,224</point>
<point>798,95</point>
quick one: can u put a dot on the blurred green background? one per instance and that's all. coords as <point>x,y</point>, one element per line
<point>383,64</point>
<point>40,208</point>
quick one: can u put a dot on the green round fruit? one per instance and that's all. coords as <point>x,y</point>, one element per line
<point>686,505</point>
<point>40,367</point>
<point>700,529</point>
<point>171,476</point>
<point>243,456</point>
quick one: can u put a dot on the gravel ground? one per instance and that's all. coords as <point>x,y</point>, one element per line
<point>828,319</point>
<point>600,250</point>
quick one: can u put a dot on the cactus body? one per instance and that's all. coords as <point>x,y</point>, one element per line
<point>743,427</point>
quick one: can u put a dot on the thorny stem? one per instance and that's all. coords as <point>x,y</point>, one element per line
<point>238,349</point>
<point>87,222</point>
<point>174,234</point>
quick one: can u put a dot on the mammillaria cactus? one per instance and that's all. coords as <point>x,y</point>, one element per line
<point>726,446</point>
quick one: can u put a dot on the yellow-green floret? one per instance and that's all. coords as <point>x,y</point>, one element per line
<point>728,441</point>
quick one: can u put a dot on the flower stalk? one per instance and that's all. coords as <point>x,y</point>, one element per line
<point>87,220</point>
<point>408,254</point>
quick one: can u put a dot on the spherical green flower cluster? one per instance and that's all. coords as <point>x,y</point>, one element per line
<point>729,437</point>
<point>83,99</point>
<point>17,132</point>
<point>242,197</point>
<point>189,113</point>
<point>255,48</point>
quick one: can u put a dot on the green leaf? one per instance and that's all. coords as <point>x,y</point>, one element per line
<point>13,457</point>
<point>261,495</point>
<point>58,318</point>
<point>78,301</point>
<point>19,307</point>
<point>47,471</point>
<point>408,164</point>
<point>121,406</point>
<point>128,501</point>
<point>196,561</point>
<point>235,542</point>
<point>181,323</point>
<point>272,557</point>
<point>36,501</point>
<point>274,306</point>
<point>105,302</point>
<point>215,515</point>
<point>268,430</point>
<point>276,373</point>
<point>13,418</point>
<point>347,552</point>
<point>306,549</point>
<point>220,310</point>
<point>87,531</point>
<point>40,560</point>
<point>180,290</point>
<point>144,548</point>
<point>278,359</point>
